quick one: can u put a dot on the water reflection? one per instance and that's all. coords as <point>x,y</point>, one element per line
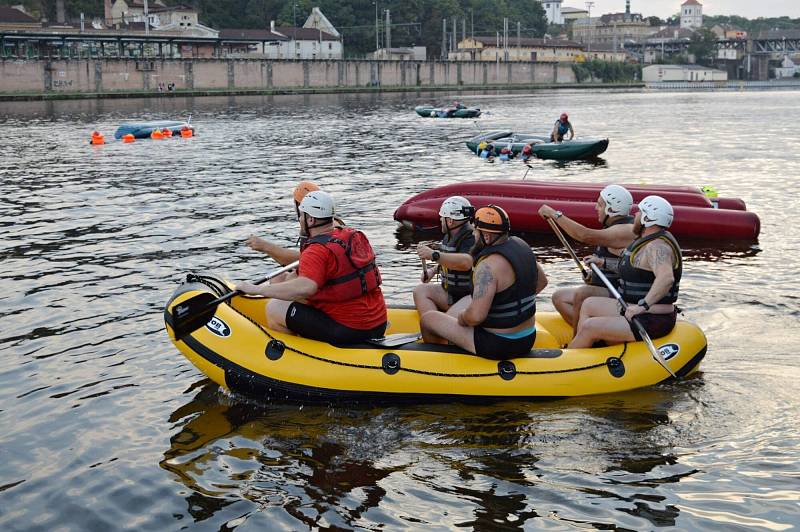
<point>347,467</point>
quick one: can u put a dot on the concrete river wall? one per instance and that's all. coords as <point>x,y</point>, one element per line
<point>62,78</point>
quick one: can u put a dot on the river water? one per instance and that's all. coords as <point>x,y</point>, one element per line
<point>106,426</point>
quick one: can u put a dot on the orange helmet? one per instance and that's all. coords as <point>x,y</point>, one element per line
<point>492,219</point>
<point>527,149</point>
<point>303,188</point>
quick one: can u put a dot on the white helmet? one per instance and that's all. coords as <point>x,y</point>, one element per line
<point>618,200</point>
<point>656,211</point>
<point>318,204</point>
<point>455,207</point>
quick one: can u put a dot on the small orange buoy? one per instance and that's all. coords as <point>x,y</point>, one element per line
<point>128,138</point>
<point>186,132</point>
<point>156,134</point>
<point>97,138</point>
<point>166,132</point>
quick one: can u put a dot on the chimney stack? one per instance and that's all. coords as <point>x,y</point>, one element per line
<point>107,13</point>
<point>272,26</point>
<point>627,7</point>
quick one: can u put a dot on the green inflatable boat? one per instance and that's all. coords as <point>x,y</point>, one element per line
<point>541,147</point>
<point>458,111</point>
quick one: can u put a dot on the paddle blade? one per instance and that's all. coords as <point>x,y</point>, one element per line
<point>192,314</point>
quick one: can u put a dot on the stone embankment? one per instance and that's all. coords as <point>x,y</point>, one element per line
<point>102,78</point>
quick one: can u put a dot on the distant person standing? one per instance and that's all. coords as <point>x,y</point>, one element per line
<point>560,129</point>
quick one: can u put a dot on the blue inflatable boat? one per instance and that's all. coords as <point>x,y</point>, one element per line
<point>142,130</point>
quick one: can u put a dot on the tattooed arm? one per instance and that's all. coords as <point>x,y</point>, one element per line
<point>485,286</point>
<point>658,257</point>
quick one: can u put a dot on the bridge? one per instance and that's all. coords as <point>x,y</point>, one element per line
<point>775,47</point>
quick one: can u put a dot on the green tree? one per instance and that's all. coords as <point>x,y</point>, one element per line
<point>703,46</point>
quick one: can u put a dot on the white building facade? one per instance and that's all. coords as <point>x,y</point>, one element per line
<point>691,14</point>
<point>659,73</point>
<point>553,10</point>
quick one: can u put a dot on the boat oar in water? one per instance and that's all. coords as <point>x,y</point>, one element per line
<point>198,310</point>
<point>639,327</point>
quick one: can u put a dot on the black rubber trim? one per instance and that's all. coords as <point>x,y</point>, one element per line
<point>688,367</point>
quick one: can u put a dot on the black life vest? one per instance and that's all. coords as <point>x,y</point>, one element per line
<point>516,303</point>
<point>457,283</point>
<point>611,261</point>
<point>634,283</point>
<point>356,271</point>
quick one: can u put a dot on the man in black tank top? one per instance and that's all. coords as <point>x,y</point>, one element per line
<point>613,212</point>
<point>650,272</point>
<point>498,320</point>
<point>453,258</point>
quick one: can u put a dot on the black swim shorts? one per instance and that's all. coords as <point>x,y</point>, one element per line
<point>656,325</point>
<point>309,322</point>
<point>490,345</point>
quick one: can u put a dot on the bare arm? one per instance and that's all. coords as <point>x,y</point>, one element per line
<point>541,278</point>
<point>292,290</point>
<point>614,237</point>
<point>281,255</point>
<point>658,257</point>
<point>485,286</point>
<point>455,261</point>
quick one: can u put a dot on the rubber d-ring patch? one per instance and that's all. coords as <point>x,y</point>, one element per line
<point>507,370</point>
<point>615,367</point>
<point>390,363</point>
<point>275,349</point>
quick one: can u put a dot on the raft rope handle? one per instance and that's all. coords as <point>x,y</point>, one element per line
<point>205,281</point>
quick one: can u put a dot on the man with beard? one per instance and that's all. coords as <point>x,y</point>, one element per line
<point>650,271</point>
<point>497,321</point>
<point>453,257</point>
<point>613,212</point>
<point>336,295</point>
<point>278,253</point>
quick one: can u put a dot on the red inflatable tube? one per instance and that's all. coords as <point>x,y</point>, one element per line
<point>735,204</point>
<point>565,191</point>
<point>690,222</point>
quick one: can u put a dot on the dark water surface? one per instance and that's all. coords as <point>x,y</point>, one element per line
<point>106,426</point>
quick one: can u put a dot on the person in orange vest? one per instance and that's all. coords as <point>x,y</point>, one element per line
<point>336,295</point>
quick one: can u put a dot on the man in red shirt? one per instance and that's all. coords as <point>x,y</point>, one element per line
<point>336,296</point>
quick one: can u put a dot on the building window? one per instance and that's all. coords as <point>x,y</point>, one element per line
<point>330,46</point>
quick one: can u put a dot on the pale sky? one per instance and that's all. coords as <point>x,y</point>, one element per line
<point>666,8</point>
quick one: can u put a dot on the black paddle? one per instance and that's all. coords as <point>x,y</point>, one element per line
<point>198,310</point>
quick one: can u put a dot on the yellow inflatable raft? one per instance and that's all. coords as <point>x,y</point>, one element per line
<point>236,350</point>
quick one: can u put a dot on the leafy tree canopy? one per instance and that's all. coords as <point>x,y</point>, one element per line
<point>414,22</point>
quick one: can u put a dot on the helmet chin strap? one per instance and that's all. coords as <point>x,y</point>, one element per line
<point>451,229</point>
<point>309,227</point>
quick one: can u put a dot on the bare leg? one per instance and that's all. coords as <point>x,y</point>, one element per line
<point>447,327</point>
<point>563,302</point>
<point>600,320</point>
<point>429,297</point>
<point>582,294</point>
<point>276,315</point>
